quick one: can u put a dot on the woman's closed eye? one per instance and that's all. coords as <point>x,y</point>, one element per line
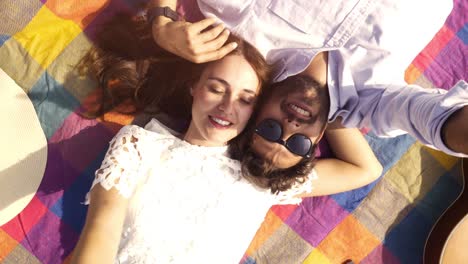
<point>248,100</point>
<point>216,89</point>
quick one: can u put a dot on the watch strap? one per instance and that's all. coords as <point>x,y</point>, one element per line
<point>161,11</point>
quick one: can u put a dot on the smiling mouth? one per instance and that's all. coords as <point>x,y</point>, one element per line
<point>219,123</point>
<point>297,111</point>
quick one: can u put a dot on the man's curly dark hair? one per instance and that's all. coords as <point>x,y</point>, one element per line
<point>261,171</point>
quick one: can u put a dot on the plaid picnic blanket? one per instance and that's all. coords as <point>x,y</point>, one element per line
<point>386,222</point>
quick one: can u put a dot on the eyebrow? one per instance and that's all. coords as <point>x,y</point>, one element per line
<point>225,83</point>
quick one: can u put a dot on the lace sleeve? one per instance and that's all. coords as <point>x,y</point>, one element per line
<point>120,166</point>
<point>292,196</point>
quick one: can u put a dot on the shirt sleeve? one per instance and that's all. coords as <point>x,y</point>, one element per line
<point>366,81</point>
<point>121,164</point>
<point>293,195</point>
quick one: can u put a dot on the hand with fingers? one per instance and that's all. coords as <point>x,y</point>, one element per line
<point>193,41</point>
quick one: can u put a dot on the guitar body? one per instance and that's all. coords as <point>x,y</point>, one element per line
<point>448,241</point>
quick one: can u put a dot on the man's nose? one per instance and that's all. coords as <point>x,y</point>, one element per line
<point>290,126</point>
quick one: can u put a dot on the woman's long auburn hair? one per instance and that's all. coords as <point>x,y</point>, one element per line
<point>132,70</point>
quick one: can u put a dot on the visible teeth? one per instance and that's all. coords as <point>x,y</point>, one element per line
<point>221,122</point>
<point>299,110</point>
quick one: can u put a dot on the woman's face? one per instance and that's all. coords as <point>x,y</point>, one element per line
<point>223,101</point>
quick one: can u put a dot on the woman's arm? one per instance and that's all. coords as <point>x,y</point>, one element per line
<point>355,164</point>
<point>191,41</point>
<point>114,184</point>
<point>100,237</point>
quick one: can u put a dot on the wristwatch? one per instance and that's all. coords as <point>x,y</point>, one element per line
<point>161,11</point>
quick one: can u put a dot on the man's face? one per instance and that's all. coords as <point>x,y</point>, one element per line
<point>297,110</point>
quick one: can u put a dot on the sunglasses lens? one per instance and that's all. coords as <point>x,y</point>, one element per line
<point>270,130</point>
<point>299,144</point>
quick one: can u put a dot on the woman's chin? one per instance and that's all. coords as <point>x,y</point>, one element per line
<point>219,139</point>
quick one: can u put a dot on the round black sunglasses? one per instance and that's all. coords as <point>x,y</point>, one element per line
<point>272,131</point>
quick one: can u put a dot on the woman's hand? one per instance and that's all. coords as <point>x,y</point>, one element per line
<point>192,41</point>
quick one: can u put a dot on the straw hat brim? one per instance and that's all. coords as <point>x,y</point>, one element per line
<point>23,151</point>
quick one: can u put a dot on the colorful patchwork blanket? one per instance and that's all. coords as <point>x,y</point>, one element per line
<point>388,221</point>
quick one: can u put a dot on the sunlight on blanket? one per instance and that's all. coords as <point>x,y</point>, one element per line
<point>46,36</point>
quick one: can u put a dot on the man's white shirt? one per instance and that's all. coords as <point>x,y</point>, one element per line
<point>370,45</point>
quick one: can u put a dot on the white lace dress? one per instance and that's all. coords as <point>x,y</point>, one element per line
<point>188,204</point>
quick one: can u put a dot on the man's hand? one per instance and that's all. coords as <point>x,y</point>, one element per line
<point>191,41</point>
